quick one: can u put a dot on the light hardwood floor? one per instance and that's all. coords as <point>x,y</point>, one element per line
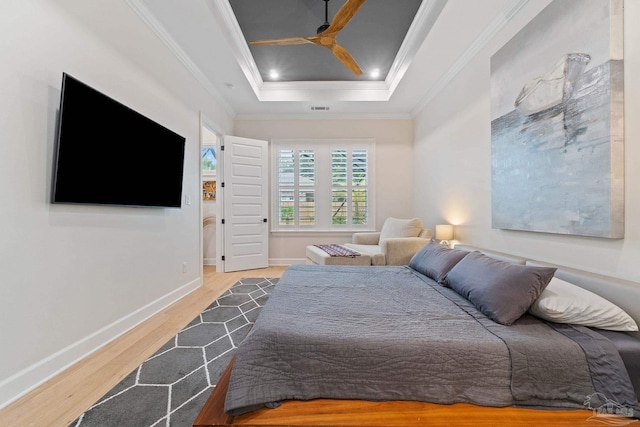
<point>62,399</point>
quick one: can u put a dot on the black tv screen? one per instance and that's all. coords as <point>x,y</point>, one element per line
<point>108,154</point>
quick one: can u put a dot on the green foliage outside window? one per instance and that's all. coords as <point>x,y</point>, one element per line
<point>286,215</point>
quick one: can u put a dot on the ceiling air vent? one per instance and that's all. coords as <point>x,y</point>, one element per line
<point>319,108</point>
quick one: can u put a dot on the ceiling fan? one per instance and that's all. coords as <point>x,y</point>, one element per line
<point>326,34</point>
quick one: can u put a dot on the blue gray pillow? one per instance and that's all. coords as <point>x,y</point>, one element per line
<point>501,290</point>
<point>435,260</point>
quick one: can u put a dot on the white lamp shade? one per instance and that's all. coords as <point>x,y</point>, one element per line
<point>444,232</point>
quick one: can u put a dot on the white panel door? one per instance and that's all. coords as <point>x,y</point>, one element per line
<point>245,204</point>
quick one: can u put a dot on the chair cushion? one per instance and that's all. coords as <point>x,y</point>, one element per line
<point>394,227</point>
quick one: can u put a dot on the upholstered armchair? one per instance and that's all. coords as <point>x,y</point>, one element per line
<point>394,244</point>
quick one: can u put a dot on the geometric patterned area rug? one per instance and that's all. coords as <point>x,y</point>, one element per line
<point>170,387</point>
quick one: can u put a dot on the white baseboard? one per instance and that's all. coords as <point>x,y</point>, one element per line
<point>31,377</point>
<point>209,261</point>
<point>287,261</point>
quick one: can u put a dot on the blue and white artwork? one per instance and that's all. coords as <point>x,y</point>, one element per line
<point>557,152</point>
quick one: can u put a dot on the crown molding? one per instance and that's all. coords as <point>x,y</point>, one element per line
<point>223,13</point>
<point>324,91</point>
<point>422,24</point>
<point>327,91</point>
<point>148,18</point>
<point>502,18</point>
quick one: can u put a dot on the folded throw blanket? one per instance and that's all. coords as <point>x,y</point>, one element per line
<point>338,250</point>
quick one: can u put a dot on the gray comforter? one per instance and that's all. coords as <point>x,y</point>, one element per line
<point>390,333</point>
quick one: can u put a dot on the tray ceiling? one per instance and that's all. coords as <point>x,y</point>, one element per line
<point>417,46</point>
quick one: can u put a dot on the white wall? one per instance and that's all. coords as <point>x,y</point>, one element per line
<point>209,217</point>
<point>453,134</point>
<point>74,277</point>
<point>394,170</point>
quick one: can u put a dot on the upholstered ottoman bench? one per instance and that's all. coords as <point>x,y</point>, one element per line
<point>315,255</point>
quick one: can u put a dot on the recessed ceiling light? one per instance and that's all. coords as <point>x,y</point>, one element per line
<point>274,74</point>
<point>375,73</point>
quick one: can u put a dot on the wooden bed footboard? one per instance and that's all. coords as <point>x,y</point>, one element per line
<point>352,413</point>
<point>212,413</point>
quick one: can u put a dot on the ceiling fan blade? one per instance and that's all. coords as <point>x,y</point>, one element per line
<point>327,38</point>
<point>292,40</point>
<point>345,57</point>
<point>344,15</point>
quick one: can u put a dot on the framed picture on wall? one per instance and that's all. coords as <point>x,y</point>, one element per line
<point>208,190</point>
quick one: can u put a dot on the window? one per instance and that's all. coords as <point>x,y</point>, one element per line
<point>322,185</point>
<point>209,161</point>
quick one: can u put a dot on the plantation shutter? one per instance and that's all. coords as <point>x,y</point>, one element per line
<point>359,187</point>
<point>286,187</point>
<point>306,188</point>
<point>339,192</point>
<point>349,187</point>
<point>322,185</point>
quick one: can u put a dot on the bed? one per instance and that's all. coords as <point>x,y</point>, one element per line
<point>379,341</point>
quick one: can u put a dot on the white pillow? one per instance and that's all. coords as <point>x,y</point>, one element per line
<point>562,302</point>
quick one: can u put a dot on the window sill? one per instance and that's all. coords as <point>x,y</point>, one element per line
<point>328,233</point>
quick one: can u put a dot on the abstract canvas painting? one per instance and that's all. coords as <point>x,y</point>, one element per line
<point>557,153</point>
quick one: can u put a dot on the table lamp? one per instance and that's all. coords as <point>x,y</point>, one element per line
<point>444,233</point>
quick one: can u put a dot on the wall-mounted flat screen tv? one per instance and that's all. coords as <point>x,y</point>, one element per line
<point>108,154</point>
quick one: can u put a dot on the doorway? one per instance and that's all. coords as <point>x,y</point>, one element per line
<point>209,146</point>
<point>235,230</point>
